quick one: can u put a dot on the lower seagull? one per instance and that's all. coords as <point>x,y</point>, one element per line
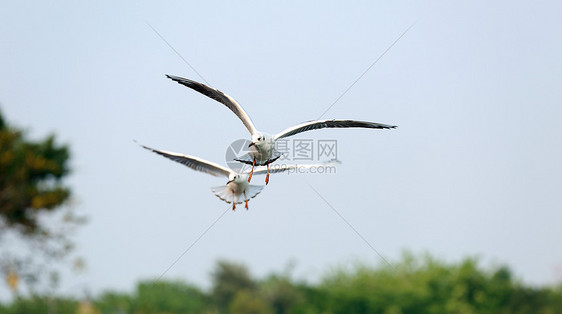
<point>237,190</point>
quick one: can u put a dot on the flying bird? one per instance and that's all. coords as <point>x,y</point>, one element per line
<point>237,189</point>
<point>262,150</point>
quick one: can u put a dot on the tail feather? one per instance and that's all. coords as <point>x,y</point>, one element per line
<point>253,190</point>
<point>225,194</point>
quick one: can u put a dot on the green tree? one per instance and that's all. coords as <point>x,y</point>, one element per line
<point>169,297</point>
<point>413,285</point>
<point>249,302</point>
<point>114,302</point>
<point>32,214</point>
<point>281,293</point>
<point>31,178</point>
<point>426,285</point>
<point>43,304</point>
<point>228,279</point>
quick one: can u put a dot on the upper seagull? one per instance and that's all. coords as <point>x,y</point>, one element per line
<point>262,147</point>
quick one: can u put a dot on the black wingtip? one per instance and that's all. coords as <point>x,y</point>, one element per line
<point>141,145</point>
<point>174,78</point>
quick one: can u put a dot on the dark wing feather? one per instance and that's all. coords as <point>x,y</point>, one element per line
<point>194,163</point>
<point>218,96</point>
<point>320,124</point>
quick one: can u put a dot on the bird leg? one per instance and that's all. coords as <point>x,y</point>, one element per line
<point>267,176</point>
<point>252,172</point>
<point>233,201</point>
<point>246,200</point>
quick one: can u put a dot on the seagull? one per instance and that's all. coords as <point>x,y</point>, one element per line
<point>262,150</point>
<point>237,190</point>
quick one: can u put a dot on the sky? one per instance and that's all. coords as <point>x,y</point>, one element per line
<point>473,168</point>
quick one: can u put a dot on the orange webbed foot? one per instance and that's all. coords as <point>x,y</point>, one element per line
<point>252,172</point>
<point>267,176</point>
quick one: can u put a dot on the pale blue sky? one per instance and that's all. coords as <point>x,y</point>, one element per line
<point>473,168</point>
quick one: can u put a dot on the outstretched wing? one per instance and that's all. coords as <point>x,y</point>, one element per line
<point>299,168</point>
<point>320,124</point>
<point>194,163</point>
<point>218,96</point>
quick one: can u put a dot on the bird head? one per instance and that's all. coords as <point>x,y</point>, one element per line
<point>257,139</point>
<point>232,178</point>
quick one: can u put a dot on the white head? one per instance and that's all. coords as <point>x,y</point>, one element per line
<point>233,177</point>
<point>257,139</point>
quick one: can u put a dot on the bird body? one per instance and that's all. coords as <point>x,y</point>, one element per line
<point>262,150</point>
<point>237,189</point>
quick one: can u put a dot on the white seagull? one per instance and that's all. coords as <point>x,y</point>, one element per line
<point>237,189</point>
<point>262,147</point>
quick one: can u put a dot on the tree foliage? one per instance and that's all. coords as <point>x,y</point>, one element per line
<point>34,224</point>
<point>169,297</point>
<point>228,279</point>
<point>413,285</point>
<point>31,177</point>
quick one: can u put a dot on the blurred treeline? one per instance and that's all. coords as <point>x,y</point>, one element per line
<point>419,284</point>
